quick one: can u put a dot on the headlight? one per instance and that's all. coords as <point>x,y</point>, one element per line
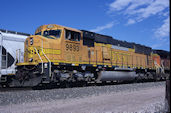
<point>31,60</point>
<point>45,65</point>
<point>31,41</point>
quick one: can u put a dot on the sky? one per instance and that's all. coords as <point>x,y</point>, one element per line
<point>145,22</point>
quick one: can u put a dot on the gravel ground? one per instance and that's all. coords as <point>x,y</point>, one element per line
<point>138,97</point>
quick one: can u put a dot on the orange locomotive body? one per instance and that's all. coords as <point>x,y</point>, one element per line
<point>58,54</point>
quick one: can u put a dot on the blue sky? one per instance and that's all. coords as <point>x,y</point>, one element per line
<point>144,22</point>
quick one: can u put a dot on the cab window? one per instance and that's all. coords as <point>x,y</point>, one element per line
<point>52,34</point>
<point>39,33</point>
<point>72,35</point>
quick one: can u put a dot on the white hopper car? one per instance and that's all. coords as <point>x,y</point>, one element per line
<point>11,51</point>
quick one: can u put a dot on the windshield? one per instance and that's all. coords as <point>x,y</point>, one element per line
<point>52,34</point>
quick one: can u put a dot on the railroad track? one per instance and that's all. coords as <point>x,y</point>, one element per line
<point>73,99</point>
<point>12,89</point>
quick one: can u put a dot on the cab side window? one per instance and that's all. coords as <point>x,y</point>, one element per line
<point>39,33</point>
<point>72,35</point>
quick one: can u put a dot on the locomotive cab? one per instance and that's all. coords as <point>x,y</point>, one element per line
<point>53,43</point>
<point>41,44</point>
<point>51,46</point>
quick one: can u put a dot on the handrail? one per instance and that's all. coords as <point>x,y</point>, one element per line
<point>48,61</point>
<point>46,56</point>
<point>40,59</point>
<point>162,66</point>
<point>50,68</point>
<point>159,67</point>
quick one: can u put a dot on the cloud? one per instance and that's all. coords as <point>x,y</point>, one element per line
<point>164,29</point>
<point>100,28</point>
<point>161,34</point>
<point>138,10</point>
<point>119,4</point>
<point>131,21</point>
<point>135,11</point>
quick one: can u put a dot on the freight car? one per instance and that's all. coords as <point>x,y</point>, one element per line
<point>10,43</point>
<point>64,56</point>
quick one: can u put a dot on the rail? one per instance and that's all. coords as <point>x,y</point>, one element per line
<point>162,66</point>
<point>47,59</point>
<point>159,69</point>
<point>39,58</point>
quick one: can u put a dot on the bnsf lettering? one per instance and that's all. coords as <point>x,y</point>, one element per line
<point>72,47</point>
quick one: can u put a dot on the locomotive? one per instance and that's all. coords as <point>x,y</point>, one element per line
<point>62,55</point>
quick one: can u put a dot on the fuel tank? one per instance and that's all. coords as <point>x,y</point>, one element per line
<point>116,76</point>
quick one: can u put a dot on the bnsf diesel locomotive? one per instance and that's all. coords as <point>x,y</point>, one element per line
<point>63,55</point>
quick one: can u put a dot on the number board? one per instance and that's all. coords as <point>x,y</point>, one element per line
<point>72,47</point>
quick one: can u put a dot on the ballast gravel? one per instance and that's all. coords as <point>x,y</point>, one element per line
<point>137,97</point>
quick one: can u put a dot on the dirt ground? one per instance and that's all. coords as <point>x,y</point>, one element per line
<point>150,99</point>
